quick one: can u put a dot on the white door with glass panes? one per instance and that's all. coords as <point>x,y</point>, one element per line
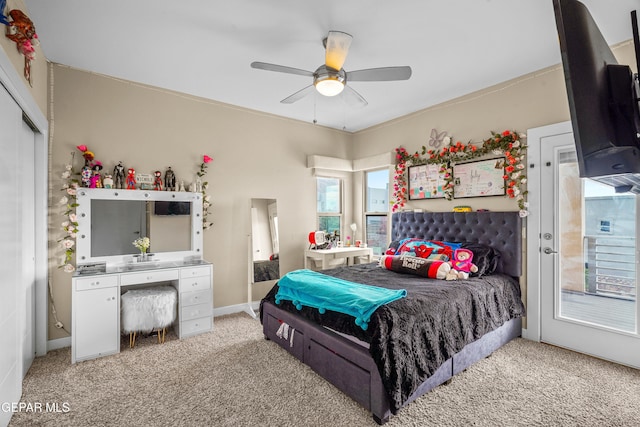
<point>587,257</point>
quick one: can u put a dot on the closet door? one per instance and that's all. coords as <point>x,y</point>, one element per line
<point>27,289</point>
<point>10,245</point>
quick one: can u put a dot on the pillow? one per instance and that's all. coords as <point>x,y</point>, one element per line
<point>393,247</point>
<point>485,258</point>
<point>424,248</point>
<point>433,269</point>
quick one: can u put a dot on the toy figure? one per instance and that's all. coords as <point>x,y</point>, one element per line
<point>169,180</point>
<point>96,178</point>
<point>157,183</point>
<point>181,188</point>
<point>107,182</point>
<point>86,176</point>
<point>131,179</point>
<point>461,265</point>
<point>118,174</point>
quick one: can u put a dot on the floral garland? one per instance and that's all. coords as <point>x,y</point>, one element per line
<point>508,144</point>
<point>202,187</point>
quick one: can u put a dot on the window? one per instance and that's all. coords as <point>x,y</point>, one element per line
<point>329,204</point>
<point>377,209</point>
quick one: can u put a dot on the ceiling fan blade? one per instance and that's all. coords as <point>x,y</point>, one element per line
<point>298,95</point>
<point>280,69</point>
<point>353,98</point>
<point>384,74</point>
<point>337,47</point>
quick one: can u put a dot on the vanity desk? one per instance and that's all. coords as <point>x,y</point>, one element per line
<point>109,220</point>
<point>95,303</point>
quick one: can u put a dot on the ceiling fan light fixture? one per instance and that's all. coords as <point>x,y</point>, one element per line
<point>328,81</point>
<point>330,86</point>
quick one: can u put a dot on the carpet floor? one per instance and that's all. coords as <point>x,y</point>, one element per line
<point>234,377</point>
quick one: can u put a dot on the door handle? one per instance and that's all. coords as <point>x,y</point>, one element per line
<point>549,251</point>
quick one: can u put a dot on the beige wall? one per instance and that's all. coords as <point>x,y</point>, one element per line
<point>255,155</point>
<point>38,88</point>
<point>258,155</point>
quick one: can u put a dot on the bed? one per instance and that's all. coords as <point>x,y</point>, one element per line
<point>415,343</point>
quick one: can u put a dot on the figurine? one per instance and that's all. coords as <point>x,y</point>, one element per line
<point>157,183</point>
<point>169,180</point>
<point>86,176</point>
<point>107,182</point>
<point>96,178</point>
<point>118,174</point>
<point>131,179</point>
<point>181,188</point>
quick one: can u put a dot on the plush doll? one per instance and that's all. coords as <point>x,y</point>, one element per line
<point>461,265</point>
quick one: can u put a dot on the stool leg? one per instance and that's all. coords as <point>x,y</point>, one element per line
<point>159,336</point>
<point>132,339</point>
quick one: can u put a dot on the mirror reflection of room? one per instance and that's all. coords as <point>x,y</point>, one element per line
<point>117,223</point>
<point>264,240</point>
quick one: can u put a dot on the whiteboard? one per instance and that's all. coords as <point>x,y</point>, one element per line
<point>425,182</point>
<point>477,179</point>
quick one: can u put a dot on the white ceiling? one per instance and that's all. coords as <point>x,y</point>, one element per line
<point>205,48</point>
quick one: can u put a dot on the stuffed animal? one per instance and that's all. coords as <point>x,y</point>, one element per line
<point>461,265</point>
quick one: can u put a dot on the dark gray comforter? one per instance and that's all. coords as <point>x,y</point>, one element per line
<point>411,337</point>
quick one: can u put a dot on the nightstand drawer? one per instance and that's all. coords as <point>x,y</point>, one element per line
<point>196,311</point>
<point>196,297</point>
<point>195,271</point>
<point>96,282</point>
<point>196,326</point>
<point>195,284</point>
<point>150,276</point>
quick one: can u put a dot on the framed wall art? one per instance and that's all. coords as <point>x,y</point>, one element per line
<point>425,182</point>
<point>478,179</point>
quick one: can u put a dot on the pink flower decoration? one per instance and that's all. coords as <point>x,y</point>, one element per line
<point>207,159</point>
<point>82,148</point>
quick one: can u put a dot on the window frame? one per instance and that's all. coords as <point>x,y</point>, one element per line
<point>340,213</point>
<point>366,213</point>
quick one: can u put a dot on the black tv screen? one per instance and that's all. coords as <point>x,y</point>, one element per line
<point>602,97</point>
<point>172,208</point>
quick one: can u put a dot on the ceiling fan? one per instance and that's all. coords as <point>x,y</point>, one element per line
<point>331,79</point>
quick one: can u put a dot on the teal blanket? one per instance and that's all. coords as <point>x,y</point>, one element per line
<point>317,290</point>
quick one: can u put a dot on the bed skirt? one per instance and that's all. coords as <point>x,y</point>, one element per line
<point>349,366</point>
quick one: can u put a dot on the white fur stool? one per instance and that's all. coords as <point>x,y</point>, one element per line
<point>148,309</point>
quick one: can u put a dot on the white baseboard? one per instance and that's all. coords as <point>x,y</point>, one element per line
<point>58,343</point>
<point>220,311</point>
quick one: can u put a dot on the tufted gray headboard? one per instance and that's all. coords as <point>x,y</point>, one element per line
<point>500,230</point>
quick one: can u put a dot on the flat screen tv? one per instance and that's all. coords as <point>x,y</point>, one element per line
<point>172,208</point>
<point>603,99</point>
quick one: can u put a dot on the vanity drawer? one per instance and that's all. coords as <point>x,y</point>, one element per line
<point>148,277</point>
<point>196,326</point>
<point>196,311</point>
<point>96,282</point>
<point>204,270</point>
<point>196,297</point>
<point>195,284</point>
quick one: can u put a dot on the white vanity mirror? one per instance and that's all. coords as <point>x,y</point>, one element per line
<point>109,220</point>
